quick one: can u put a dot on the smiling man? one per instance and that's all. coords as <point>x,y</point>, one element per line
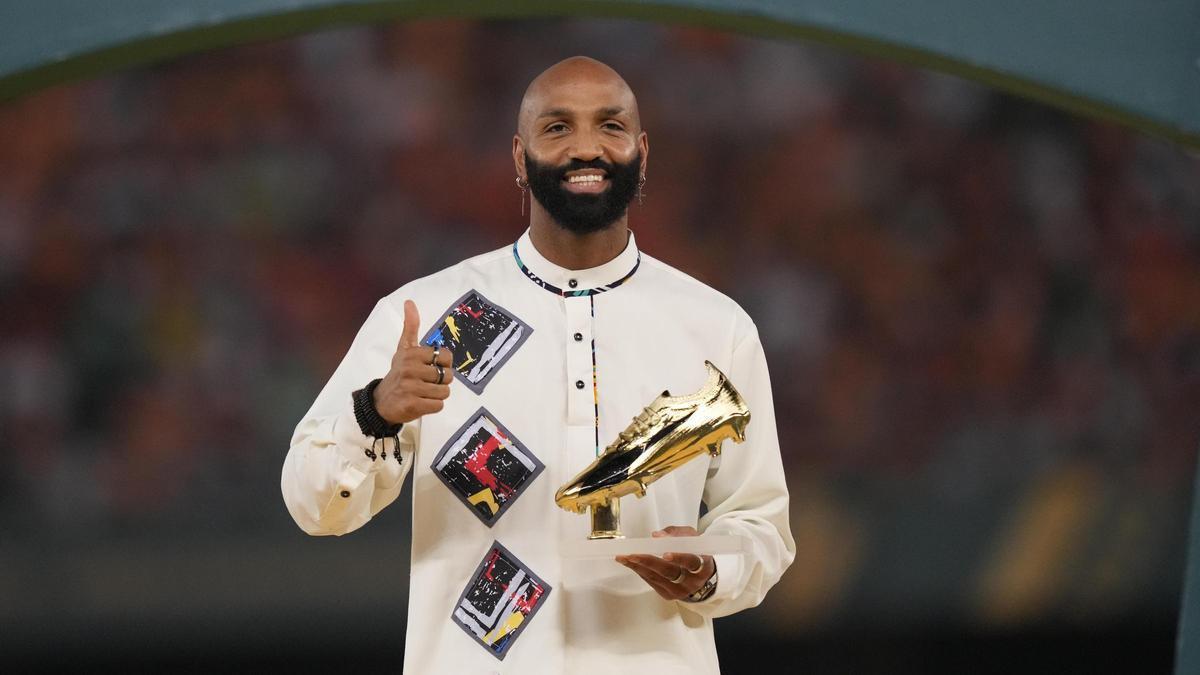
<point>532,358</point>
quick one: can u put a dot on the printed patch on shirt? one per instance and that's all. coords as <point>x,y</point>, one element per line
<point>486,466</point>
<point>500,601</point>
<point>483,336</point>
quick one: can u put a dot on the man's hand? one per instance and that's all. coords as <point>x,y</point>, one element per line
<point>675,575</point>
<point>409,390</point>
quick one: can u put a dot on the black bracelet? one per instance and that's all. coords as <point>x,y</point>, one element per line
<point>370,422</point>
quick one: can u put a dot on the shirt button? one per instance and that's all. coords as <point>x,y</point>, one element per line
<point>579,384</point>
<point>579,337</point>
<point>572,283</point>
<point>345,494</point>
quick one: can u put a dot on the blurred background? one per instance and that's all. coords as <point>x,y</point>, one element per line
<point>982,317</point>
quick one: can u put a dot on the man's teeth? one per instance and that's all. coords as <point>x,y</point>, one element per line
<point>588,178</point>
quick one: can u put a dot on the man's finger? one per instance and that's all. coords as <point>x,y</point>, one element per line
<point>691,562</point>
<point>664,588</point>
<point>427,406</point>
<point>424,354</point>
<point>439,392</point>
<point>412,323</point>
<point>677,531</point>
<point>423,371</point>
<point>667,570</point>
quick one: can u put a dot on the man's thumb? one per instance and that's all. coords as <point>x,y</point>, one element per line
<point>412,320</point>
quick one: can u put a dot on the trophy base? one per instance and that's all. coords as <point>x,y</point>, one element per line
<point>606,521</point>
<point>705,544</point>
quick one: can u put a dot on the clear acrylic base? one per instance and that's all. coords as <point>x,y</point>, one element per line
<point>705,544</point>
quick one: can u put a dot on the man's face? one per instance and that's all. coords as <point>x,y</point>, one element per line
<point>581,146</point>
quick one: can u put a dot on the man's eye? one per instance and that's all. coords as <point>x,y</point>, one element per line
<point>556,127</point>
<point>613,125</point>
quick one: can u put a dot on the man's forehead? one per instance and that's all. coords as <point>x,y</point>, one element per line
<point>583,98</point>
<point>577,86</point>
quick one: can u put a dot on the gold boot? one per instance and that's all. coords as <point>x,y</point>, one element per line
<point>663,437</point>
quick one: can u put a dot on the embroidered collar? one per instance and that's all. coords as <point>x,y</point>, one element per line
<point>590,281</point>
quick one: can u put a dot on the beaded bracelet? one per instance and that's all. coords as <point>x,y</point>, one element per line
<point>372,424</point>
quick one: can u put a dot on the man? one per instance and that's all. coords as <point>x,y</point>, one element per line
<point>554,344</point>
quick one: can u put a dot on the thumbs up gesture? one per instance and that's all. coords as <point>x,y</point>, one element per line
<point>417,383</point>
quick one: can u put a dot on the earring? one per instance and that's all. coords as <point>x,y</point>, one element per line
<point>524,185</point>
<point>641,182</point>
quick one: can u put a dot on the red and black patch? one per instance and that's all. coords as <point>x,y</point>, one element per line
<point>486,466</point>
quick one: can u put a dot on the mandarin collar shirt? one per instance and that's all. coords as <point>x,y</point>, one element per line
<point>550,364</point>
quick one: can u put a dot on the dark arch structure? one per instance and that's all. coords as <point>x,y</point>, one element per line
<point>1130,61</point>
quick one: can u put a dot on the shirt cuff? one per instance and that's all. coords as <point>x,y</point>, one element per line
<point>729,570</point>
<point>353,444</point>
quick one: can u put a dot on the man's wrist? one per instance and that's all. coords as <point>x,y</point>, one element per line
<point>370,422</point>
<point>706,591</point>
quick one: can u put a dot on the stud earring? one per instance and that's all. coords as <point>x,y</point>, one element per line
<point>524,185</point>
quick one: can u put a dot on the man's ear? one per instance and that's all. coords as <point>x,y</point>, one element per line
<point>519,157</point>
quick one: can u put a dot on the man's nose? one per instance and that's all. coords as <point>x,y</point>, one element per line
<point>587,147</point>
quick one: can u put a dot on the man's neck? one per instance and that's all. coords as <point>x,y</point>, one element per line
<point>577,251</point>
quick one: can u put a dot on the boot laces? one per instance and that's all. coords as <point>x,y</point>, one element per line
<point>641,422</point>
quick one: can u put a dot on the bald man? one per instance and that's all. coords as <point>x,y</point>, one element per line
<point>530,360</point>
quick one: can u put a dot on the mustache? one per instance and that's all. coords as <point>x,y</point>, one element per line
<point>578,164</point>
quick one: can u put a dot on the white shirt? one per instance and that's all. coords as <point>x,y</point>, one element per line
<point>490,590</point>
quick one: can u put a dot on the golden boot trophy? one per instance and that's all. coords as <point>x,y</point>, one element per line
<point>668,433</point>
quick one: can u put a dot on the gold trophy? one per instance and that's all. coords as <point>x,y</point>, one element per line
<point>668,433</point>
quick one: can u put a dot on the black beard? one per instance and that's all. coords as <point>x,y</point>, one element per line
<point>584,214</point>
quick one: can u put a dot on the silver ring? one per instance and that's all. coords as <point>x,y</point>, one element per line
<point>441,373</point>
<point>699,569</point>
<point>679,578</point>
<point>437,351</point>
